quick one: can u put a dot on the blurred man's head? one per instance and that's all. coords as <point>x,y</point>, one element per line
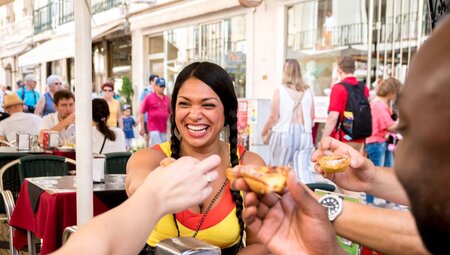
<point>64,103</point>
<point>20,84</point>
<point>422,160</point>
<point>152,79</point>
<point>346,66</point>
<point>30,81</point>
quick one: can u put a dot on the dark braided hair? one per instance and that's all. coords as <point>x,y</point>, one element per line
<point>220,81</point>
<point>100,113</point>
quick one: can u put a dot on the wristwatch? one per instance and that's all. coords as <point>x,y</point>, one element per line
<point>333,204</point>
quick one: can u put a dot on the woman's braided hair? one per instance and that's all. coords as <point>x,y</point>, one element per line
<point>218,80</point>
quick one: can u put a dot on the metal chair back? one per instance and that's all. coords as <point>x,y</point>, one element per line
<point>68,231</point>
<point>9,175</point>
<point>42,165</point>
<point>116,162</point>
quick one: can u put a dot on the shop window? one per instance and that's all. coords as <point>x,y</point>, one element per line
<point>120,58</point>
<point>222,42</point>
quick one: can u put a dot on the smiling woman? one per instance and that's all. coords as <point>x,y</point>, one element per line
<point>203,103</point>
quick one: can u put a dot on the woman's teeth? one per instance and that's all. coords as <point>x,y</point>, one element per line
<point>197,128</point>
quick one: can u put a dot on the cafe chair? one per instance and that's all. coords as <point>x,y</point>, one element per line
<point>9,204</point>
<point>42,165</point>
<point>9,175</point>
<point>68,231</point>
<point>116,162</point>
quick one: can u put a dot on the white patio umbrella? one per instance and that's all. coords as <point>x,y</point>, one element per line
<point>83,109</point>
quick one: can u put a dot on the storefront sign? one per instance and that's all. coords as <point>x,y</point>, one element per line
<point>321,104</point>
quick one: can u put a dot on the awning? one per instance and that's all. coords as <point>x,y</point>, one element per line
<point>62,47</point>
<point>56,48</point>
<point>8,52</point>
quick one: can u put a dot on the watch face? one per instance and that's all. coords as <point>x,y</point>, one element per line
<point>333,204</point>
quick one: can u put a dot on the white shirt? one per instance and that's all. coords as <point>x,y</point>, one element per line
<point>67,134</point>
<point>110,146</point>
<point>19,121</point>
<point>287,105</point>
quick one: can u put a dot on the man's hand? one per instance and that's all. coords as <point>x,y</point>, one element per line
<point>292,224</point>
<point>360,174</point>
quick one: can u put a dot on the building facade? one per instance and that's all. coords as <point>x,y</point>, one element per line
<point>136,38</point>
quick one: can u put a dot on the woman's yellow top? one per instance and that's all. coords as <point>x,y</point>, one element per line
<point>220,228</point>
<point>114,107</point>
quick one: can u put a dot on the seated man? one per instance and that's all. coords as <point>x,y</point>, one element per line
<point>18,120</point>
<point>63,120</point>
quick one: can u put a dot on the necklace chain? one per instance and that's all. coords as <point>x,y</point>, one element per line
<point>209,207</point>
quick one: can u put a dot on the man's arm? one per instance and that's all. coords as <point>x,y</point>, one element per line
<point>386,231</point>
<point>46,126</point>
<point>362,175</point>
<point>331,123</point>
<point>40,106</point>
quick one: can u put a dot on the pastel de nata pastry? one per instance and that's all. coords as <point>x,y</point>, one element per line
<point>334,164</point>
<point>263,179</point>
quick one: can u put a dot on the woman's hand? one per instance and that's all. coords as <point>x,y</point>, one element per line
<point>182,183</point>
<point>358,177</point>
<point>292,224</point>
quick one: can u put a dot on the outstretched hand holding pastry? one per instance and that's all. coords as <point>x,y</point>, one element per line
<point>361,175</point>
<point>294,223</point>
<point>357,177</point>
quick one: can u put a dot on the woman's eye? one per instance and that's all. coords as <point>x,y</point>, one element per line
<point>209,106</point>
<point>183,104</point>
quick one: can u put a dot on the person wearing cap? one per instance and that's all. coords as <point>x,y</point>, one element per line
<point>28,95</point>
<point>128,124</point>
<point>18,120</point>
<point>157,107</point>
<point>338,101</point>
<point>45,104</point>
<point>115,117</point>
<point>145,92</point>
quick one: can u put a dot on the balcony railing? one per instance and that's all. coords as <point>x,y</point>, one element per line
<point>103,5</point>
<point>61,12</point>
<point>42,18</point>
<point>354,34</point>
<point>65,10</point>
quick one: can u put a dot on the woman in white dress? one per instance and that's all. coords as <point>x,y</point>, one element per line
<point>105,139</point>
<point>291,120</point>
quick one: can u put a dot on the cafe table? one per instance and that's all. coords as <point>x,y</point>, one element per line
<point>47,205</point>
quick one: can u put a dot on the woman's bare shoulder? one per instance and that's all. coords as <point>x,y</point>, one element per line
<point>146,158</point>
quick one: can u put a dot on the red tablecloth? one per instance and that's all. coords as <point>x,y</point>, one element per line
<point>54,213</point>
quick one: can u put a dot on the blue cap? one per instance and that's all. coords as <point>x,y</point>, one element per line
<point>160,82</point>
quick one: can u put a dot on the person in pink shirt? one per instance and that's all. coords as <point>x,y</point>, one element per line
<point>157,107</point>
<point>382,124</point>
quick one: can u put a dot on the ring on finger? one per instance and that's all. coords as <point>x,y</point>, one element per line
<point>208,178</point>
